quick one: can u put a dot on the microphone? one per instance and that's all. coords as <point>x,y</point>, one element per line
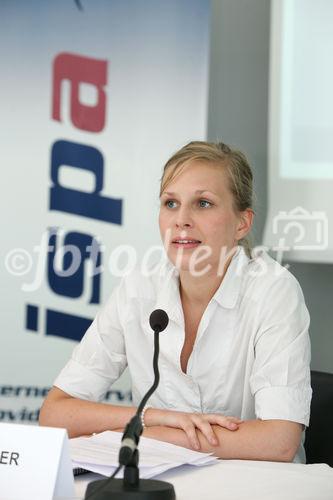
<point>130,439</point>
<point>132,486</point>
<point>158,321</point>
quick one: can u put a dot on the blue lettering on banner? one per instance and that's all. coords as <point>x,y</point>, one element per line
<point>60,324</point>
<point>91,205</point>
<point>32,318</point>
<point>23,415</point>
<point>34,393</point>
<point>69,281</point>
<point>79,248</point>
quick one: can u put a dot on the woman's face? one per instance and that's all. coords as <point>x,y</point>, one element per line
<point>197,219</point>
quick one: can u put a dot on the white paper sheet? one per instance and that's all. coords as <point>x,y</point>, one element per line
<point>99,453</point>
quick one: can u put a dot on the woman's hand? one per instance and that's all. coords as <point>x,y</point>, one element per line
<point>191,422</point>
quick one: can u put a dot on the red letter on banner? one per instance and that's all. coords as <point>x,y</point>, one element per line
<point>78,69</point>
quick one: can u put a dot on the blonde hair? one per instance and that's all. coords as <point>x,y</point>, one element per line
<point>235,163</point>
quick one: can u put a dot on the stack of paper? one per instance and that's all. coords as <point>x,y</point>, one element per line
<point>99,453</point>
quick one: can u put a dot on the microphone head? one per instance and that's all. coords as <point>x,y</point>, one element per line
<point>158,320</point>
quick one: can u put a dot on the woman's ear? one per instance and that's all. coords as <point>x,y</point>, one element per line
<point>245,223</point>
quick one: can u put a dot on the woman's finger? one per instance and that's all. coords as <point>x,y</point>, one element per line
<point>190,431</point>
<point>230,423</point>
<point>235,419</point>
<point>218,416</point>
<point>205,428</point>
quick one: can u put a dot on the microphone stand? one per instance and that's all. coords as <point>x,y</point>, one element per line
<point>131,487</point>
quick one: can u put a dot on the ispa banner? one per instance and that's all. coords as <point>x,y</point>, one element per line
<point>94,98</point>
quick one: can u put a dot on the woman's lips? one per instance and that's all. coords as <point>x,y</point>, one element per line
<point>186,243</point>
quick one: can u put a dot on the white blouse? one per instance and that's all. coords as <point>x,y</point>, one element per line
<point>251,356</point>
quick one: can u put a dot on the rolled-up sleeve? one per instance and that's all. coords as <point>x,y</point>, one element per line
<point>100,358</point>
<point>280,380</point>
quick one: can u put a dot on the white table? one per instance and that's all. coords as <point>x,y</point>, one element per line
<point>243,480</point>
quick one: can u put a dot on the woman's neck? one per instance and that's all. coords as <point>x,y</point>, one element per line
<point>199,290</point>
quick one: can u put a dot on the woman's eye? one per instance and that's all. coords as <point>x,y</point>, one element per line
<point>170,203</point>
<point>204,203</point>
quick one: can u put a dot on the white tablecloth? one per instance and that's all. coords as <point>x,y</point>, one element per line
<point>243,480</point>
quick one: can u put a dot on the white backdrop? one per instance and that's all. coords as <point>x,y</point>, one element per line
<point>301,130</point>
<point>93,101</point>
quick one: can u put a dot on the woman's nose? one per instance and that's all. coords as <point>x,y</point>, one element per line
<point>185,224</point>
<point>184,219</point>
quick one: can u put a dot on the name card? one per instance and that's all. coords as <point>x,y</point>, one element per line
<point>35,463</point>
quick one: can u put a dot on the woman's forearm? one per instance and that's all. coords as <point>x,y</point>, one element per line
<point>82,417</point>
<point>253,440</point>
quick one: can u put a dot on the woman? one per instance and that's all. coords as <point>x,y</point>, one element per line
<point>234,360</point>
